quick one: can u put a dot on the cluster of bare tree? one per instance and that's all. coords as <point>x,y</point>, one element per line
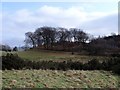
<point>51,37</point>
<point>72,39</point>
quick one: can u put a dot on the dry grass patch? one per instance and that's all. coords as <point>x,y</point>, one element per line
<point>59,79</point>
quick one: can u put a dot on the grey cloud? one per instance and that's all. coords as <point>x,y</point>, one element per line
<point>102,26</point>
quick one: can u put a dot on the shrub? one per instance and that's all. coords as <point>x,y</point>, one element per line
<point>11,61</point>
<point>116,69</point>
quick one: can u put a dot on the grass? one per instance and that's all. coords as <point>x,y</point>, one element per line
<point>55,78</point>
<point>38,55</point>
<point>59,79</point>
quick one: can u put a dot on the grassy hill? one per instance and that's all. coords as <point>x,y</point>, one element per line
<point>59,79</point>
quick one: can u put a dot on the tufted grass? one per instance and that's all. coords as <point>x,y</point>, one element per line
<point>59,79</point>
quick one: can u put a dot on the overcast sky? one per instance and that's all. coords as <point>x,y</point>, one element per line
<point>96,18</point>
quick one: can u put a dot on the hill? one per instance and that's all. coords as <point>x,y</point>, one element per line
<point>59,79</point>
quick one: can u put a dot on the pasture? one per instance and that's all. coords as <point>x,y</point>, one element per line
<point>48,55</point>
<point>59,79</point>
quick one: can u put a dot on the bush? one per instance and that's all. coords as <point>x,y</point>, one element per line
<point>116,69</point>
<point>11,61</point>
<point>92,65</point>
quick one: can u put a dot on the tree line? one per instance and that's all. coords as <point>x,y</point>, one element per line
<point>73,39</point>
<point>7,48</point>
<point>50,37</point>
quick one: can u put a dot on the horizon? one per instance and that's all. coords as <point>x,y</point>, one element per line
<point>95,18</point>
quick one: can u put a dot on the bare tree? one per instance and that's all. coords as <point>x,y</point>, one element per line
<point>38,34</point>
<point>30,39</point>
<point>48,35</point>
<point>82,37</point>
<point>74,32</point>
<point>52,36</point>
<point>63,34</point>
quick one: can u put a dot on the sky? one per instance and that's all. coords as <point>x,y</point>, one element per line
<point>95,18</point>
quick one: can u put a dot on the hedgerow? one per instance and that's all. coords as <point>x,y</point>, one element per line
<point>11,61</point>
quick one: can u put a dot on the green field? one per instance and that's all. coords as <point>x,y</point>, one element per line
<point>40,55</point>
<point>59,79</point>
